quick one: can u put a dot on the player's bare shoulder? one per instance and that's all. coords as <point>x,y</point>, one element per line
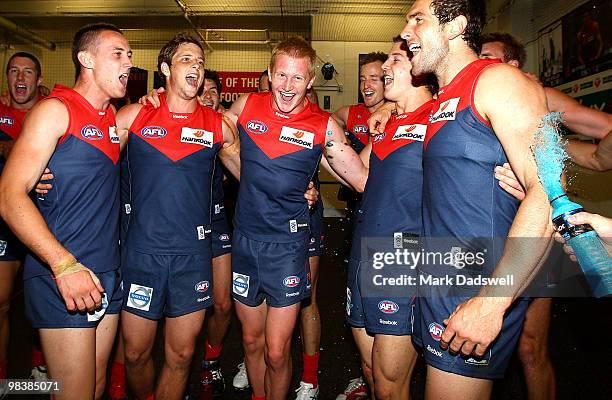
<point>50,113</point>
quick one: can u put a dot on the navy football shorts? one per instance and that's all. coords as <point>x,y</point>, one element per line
<point>275,272</point>
<point>434,305</point>
<point>45,307</point>
<point>316,243</point>
<point>221,232</point>
<point>390,314</point>
<point>156,286</point>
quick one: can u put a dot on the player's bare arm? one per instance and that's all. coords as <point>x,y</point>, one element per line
<point>124,119</point>
<point>343,159</point>
<point>578,118</point>
<point>43,127</point>
<point>514,106</point>
<point>230,151</point>
<point>341,116</point>
<point>378,120</point>
<point>597,157</point>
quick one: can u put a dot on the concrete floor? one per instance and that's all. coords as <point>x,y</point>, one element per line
<point>579,342</point>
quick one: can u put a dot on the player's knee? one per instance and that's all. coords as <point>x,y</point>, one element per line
<point>384,389</point>
<point>531,351</point>
<point>223,307</point>
<point>277,358</point>
<point>180,355</point>
<point>135,356</point>
<point>252,341</point>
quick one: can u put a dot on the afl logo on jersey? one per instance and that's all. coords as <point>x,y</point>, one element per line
<point>153,132</point>
<point>256,127</point>
<point>435,330</point>
<point>360,129</point>
<point>388,307</point>
<point>201,286</point>
<point>291,281</point>
<point>411,132</point>
<point>378,138</point>
<point>92,132</point>
<point>6,120</point>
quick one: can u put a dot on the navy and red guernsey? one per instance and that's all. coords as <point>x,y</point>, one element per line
<point>11,120</point>
<point>279,155</point>
<point>357,126</point>
<point>461,197</point>
<point>391,201</point>
<point>82,210</point>
<point>170,158</point>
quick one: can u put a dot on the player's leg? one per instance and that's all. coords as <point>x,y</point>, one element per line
<point>138,339</point>
<point>365,343</point>
<point>219,321</point>
<point>253,321</point>
<point>446,385</point>
<point>71,359</point>
<point>310,327</point>
<point>180,338</point>
<point>393,359</point>
<point>105,337</point>
<point>533,351</point>
<point>117,385</point>
<point>8,272</point>
<point>280,323</point>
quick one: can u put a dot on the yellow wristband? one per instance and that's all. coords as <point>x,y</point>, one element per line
<point>68,267</point>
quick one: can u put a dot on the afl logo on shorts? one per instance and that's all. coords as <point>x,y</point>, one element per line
<point>224,237</point>
<point>291,281</point>
<point>140,297</point>
<point>92,132</point>
<point>378,138</point>
<point>240,284</point>
<point>201,286</point>
<point>435,330</point>
<point>388,307</point>
<point>360,129</point>
<point>153,132</point>
<point>256,127</point>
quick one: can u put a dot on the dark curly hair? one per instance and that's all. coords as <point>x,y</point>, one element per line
<point>373,57</point>
<point>473,10</point>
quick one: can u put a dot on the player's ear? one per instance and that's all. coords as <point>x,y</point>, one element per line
<point>513,62</point>
<point>165,69</point>
<point>314,77</point>
<point>456,27</point>
<point>85,59</point>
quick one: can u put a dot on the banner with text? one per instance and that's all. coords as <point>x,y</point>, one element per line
<point>237,83</point>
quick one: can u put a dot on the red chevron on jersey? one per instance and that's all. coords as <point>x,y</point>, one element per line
<point>277,134</point>
<point>170,133</point>
<point>94,127</point>
<point>402,130</point>
<point>456,97</point>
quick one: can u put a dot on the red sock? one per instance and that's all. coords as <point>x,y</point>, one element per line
<point>150,397</point>
<point>253,397</point>
<point>3,369</point>
<point>38,358</point>
<point>212,352</point>
<point>117,380</point>
<point>311,368</point>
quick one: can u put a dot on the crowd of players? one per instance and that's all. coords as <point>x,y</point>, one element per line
<point>129,213</point>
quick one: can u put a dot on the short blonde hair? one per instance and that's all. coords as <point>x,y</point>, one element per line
<point>295,47</point>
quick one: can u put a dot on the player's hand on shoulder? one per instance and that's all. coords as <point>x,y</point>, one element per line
<point>44,184</point>
<point>152,97</point>
<point>5,99</point>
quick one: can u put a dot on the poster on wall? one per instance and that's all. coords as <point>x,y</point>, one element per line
<point>235,84</point>
<point>578,45</point>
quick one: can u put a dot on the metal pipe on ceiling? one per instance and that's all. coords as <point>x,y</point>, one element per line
<point>26,34</point>
<point>195,28</point>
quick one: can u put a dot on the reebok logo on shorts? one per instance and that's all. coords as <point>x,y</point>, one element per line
<point>197,136</point>
<point>240,284</point>
<point>298,137</point>
<point>99,313</point>
<point>140,297</point>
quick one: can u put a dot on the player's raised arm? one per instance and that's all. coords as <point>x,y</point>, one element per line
<point>343,159</point>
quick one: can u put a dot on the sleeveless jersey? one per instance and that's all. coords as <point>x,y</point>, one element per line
<point>170,159</point>
<point>357,126</point>
<point>279,155</point>
<point>391,201</point>
<point>82,209</point>
<point>11,120</point>
<point>461,197</point>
